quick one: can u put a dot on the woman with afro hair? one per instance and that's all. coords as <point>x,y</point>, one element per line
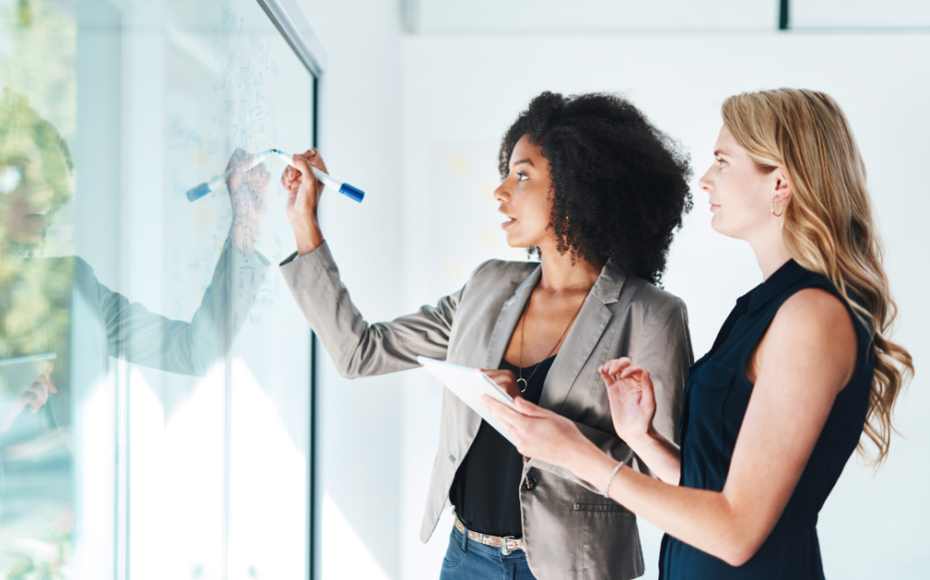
<point>596,192</point>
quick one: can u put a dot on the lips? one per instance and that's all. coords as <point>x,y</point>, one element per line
<point>508,223</point>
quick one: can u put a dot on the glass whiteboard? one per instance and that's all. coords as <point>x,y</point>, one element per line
<point>171,433</point>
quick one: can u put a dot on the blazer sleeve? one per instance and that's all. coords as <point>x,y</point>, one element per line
<point>666,351</point>
<point>356,347</point>
<point>664,347</point>
<point>189,348</point>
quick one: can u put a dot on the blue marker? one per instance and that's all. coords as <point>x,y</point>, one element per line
<point>203,189</point>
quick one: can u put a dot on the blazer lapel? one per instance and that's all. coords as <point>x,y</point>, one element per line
<point>583,338</point>
<point>508,318</point>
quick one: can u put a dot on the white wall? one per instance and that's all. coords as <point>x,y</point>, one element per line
<point>461,93</point>
<point>359,422</point>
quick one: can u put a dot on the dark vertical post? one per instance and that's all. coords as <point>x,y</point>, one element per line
<point>783,15</point>
<point>311,476</point>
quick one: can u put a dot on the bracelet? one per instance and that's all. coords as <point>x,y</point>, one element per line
<point>606,492</point>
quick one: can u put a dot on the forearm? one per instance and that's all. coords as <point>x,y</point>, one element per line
<point>704,519</point>
<point>356,347</point>
<point>608,443</point>
<point>307,233</point>
<point>661,455</point>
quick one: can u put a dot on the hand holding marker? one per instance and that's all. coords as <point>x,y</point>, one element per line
<point>203,189</point>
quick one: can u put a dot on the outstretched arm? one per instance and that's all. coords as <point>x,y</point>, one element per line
<point>191,348</point>
<point>358,348</point>
<point>806,358</point>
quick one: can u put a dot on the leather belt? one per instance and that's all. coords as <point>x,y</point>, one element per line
<point>507,544</point>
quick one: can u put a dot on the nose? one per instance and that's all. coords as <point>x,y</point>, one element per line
<point>502,193</point>
<point>705,182</point>
<point>41,191</point>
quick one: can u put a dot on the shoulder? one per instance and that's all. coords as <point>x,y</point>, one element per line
<point>650,301</point>
<point>816,325</point>
<point>815,312</point>
<point>500,273</point>
<point>503,267</point>
<point>814,309</point>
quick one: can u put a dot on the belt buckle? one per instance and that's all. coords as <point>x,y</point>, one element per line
<point>505,551</point>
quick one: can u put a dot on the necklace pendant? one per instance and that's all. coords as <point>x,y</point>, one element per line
<point>524,384</point>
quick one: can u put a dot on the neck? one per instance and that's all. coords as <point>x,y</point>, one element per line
<point>771,253</point>
<point>560,275</point>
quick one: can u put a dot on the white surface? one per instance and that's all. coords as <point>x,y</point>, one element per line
<point>469,384</point>
<point>361,424</point>
<point>582,16</point>
<point>859,13</point>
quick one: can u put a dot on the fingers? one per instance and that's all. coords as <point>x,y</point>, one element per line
<point>290,179</point>
<point>502,412</point>
<point>314,158</point>
<point>301,165</point>
<point>46,380</point>
<point>613,368</point>
<point>621,368</point>
<point>36,396</point>
<point>235,160</point>
<point>529,409</point>
<point>504,379</point>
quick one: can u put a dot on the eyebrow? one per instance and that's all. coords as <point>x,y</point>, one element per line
<point>523,161</point>
<point>719,152</point>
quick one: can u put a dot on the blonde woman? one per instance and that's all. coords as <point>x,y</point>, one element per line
<point>802,367</point>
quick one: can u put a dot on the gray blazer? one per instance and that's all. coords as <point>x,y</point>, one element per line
<point>569,529</point>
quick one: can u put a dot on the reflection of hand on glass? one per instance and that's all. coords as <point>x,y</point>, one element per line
<point>37,294</point>
<point>35,396</point>
<point>247,194</point>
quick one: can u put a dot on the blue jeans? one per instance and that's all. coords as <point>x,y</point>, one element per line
<point>470,560</point>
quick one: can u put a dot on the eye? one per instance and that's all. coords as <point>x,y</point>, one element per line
<point>522,176</point>
<point>10,178</point>
<point>722,163</point>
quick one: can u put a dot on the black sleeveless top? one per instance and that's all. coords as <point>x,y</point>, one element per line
<point>486,488</point>
<point>716,396</point>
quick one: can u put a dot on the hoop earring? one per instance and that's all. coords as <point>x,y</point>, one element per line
<point>773,208</point>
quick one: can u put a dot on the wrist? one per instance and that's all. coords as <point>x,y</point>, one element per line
<point>241,239</point>
<point>307,233</point>
<point>588,462</point>
<point>643,440</point>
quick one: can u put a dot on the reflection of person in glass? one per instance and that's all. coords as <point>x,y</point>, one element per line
<point>56,305</point>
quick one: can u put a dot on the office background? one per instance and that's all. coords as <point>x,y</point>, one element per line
<point>247,474</point>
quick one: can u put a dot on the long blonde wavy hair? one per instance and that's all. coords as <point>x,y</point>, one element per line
<point>829,227</point>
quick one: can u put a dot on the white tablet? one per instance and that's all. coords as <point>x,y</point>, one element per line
<point>18,374</point>
<point>469,384</point>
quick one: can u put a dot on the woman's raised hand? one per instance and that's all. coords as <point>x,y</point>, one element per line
<point>303,199</point>
<point>631,395</point>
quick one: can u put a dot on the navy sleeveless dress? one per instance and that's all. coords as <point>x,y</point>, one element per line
<point>716,396</point>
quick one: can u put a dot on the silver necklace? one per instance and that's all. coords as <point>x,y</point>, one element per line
<point>525,382</point>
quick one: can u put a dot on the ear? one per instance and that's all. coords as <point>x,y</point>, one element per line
<point>783,188</point>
